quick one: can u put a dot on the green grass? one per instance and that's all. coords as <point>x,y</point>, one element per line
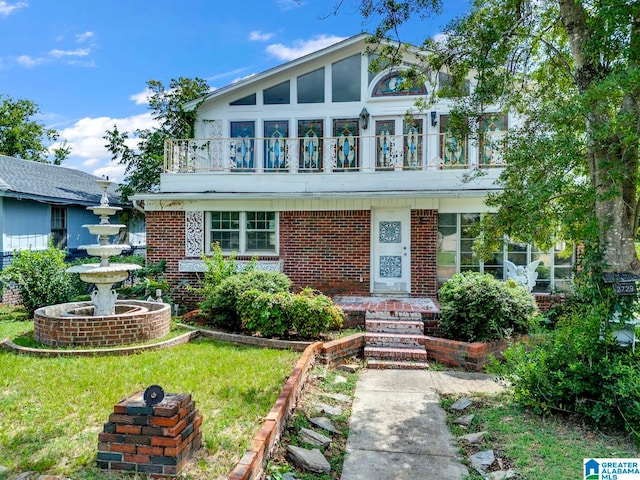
<point>538,446</point>
<point>321,380</point>
<point>52,409</point>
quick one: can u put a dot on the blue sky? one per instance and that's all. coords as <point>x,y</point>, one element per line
<point>86,62</point>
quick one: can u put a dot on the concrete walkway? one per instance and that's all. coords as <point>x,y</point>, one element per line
<point>397,429</point>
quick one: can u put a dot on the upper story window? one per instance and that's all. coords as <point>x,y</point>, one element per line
<point>248,100</point>
<point>493,131</point>
<point>311,133</point>
<point>394,84</point>
<point>345,80</point>
<point>450,88</point>
<point>311,87</point>
<point>242,146</point>
<point>454,148</point>
<point>277,95</point>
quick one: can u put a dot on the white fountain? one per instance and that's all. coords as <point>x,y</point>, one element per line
<point>104,275</point>
<point>105,321</point>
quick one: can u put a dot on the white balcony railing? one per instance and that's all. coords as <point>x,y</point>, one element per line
<point>333,154</point>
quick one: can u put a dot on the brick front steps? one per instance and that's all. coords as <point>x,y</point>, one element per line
<point>394,340</point>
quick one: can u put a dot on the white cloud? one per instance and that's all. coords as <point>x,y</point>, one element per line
<point>83,37</point>
<point>28,61</point>
<point>141,98</point>
<point>440,37</point>
<point>7,9</point>
<point>88,151</point>
<point>223,75</point>
<point>285,5</point>
<point>258,36</point>
<point>302,47</point>
<point>78,52</point>
<point>113,171</point>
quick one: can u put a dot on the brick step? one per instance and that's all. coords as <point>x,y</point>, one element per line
<point>394,340</point>
<point>393,316</point>
<point>387,353</point>
<point>411,327</point>
<point>397,365</point>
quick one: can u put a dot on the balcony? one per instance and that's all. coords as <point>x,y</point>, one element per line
<point>333,154</point>
<point>329,164</point>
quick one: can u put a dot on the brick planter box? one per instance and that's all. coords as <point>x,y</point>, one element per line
<point>472,356</point>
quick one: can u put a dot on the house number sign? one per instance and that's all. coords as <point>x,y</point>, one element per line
<point>623,283</point>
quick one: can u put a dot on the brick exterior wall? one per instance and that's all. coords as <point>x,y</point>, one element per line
<point>424,238</point>
<point>327,250</point>
<point>166,241</point>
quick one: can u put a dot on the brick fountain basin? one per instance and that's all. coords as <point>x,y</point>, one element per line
<point>73,324</point>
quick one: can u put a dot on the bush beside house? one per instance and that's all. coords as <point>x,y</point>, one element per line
<point>477,307</point>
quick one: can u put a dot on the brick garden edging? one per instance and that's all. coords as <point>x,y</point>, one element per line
<point>336,350</point>
<point>472,356</point>
<point>99,352</point>
<point>252,462</point>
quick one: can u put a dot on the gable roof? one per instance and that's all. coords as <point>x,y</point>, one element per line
<point>48,183</point>
<point>277,69</point>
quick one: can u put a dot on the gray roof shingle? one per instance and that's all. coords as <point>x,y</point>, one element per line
<point>50,183</point>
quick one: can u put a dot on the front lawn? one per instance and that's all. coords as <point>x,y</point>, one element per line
<point>536,446</point>
<point>52,409</point>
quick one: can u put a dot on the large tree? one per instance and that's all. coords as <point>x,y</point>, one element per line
<point>570,70</point>
<point>23,137</point>
<point>145,162</point>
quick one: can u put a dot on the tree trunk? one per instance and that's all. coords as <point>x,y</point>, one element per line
<point>613,169</point>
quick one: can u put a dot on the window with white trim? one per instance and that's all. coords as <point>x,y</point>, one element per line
<point>455,254</point>
<point>243,232</point>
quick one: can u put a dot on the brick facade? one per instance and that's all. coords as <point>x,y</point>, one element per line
<point>166,241</point>
<point>327,250</point>
<point>424,250</point>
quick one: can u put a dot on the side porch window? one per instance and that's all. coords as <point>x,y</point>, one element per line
<point>551,269</point>
<point>243,232</point>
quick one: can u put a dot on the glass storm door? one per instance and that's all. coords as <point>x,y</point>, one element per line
<point>391,251</point>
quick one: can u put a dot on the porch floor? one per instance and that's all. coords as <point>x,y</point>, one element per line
<point>352,304</point>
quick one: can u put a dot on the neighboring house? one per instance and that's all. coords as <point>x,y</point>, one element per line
<point>40,202</point>
<point>314,168</point>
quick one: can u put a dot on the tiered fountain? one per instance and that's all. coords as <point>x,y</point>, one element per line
<point>105,321</point>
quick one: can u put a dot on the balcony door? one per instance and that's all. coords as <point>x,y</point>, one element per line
<point>391,251</point>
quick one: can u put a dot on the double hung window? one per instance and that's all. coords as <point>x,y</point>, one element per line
<point>244,232</point>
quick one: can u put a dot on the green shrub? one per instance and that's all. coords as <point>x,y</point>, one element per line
<point>476,307</point>
<point>307,314</point>
<point>40,277</point>
<point>574,369</point>
<point>312,314</point>
<point>221,305</point>
<point>579,367</point>
<point>265,313</point>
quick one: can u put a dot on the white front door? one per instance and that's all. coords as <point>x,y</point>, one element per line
<point>391,251</point>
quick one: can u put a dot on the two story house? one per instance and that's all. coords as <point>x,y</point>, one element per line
<point>326,171</point>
